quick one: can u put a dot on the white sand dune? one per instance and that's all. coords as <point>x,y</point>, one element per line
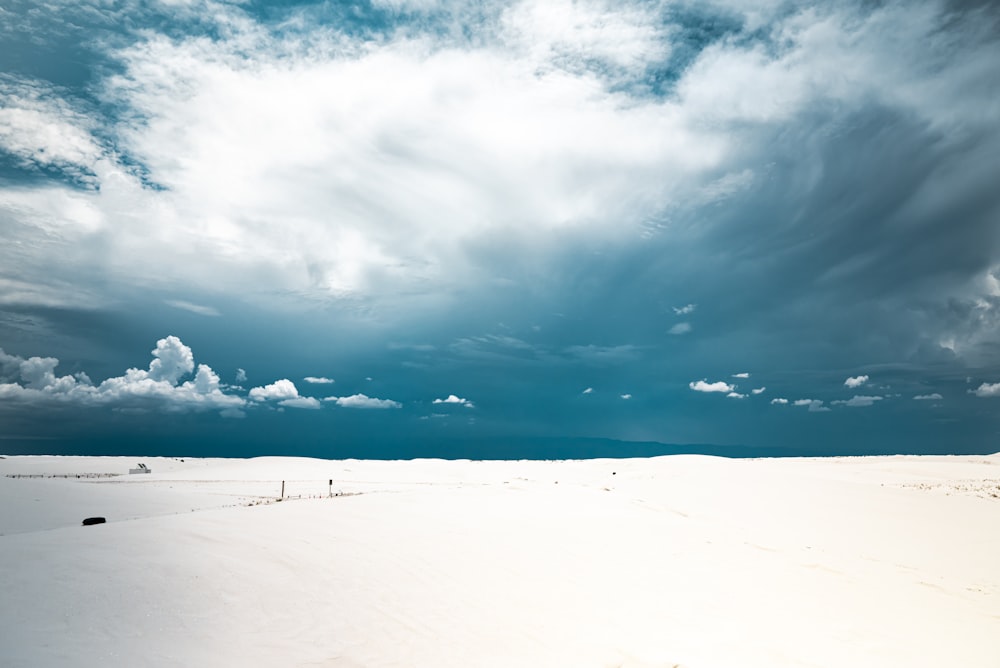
<point>674,561</point>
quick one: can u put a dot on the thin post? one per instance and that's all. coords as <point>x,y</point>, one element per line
<point>282,489</point>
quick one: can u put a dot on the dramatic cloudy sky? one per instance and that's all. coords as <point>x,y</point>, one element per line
<point>421,227</point>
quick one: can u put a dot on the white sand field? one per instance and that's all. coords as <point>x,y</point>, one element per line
<point>673,561</point>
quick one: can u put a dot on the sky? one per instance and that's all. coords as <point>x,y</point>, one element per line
<point>415,228</point>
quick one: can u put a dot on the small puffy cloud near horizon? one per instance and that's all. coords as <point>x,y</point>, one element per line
<point>987,390</point>
<point>856,381</point>
<point>279,389</point>
<point>456,400</point>
<point>859,401</point>
<point>704,386</point>
<point>284,393</point>
<point>364,401</point>
<point>311,403</point>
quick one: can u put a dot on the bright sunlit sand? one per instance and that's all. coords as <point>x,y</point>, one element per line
<point>674,561</point>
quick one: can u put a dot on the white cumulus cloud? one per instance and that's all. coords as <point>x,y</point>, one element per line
<point>934,396</point>
<point>300,402</point>
<point>318,380</point>
<point>736,395</point>
<point>758,390</point>
<point>779,400</point>
<point>173,360</point>
<point>454,399</point>
<point>704,386</point>
<point>987,390</point>
<point>278,390</point>
<point>741,375</point>
<point>856,381</point>
<point>284,393</point>
<point>34,380</point>
<point>815,405</point>
<point>680,328</point>
<point>363,401</point>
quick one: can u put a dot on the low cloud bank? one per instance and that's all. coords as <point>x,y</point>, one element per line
<point>34,380</point>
